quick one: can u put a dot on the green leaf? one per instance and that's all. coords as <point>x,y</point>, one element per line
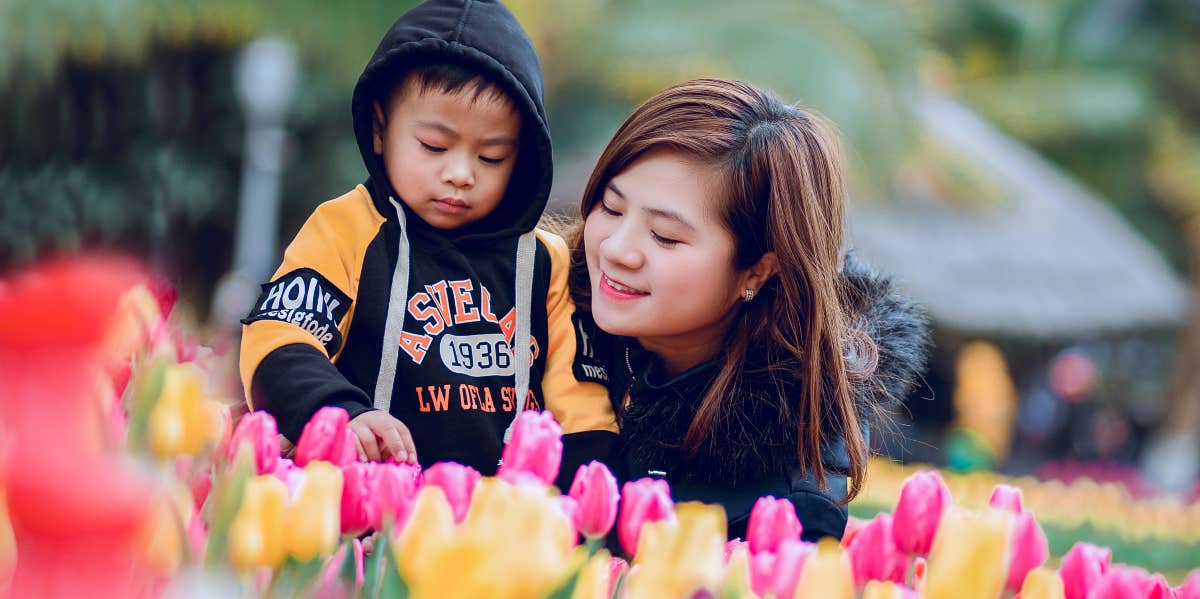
<point>146,389</point>
<point>568,587</point>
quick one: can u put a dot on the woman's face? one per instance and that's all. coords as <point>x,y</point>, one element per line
<point>659,257</point>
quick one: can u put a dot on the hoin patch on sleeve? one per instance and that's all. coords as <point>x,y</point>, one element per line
<point>589,353</point>
<point>306,299</point>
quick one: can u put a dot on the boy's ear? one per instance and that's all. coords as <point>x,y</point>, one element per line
<point>377,128</point>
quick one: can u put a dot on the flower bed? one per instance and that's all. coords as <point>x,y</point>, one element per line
<point>122,474</point>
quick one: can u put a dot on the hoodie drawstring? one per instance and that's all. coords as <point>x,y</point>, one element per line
<point>526,247</point>
<point>394,325</point>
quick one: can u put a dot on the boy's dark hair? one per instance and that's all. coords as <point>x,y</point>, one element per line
<point>445,77</point>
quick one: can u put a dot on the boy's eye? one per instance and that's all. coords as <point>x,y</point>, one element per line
<point>492,160</point>
<point>664,241</point>
<point>429,148</point>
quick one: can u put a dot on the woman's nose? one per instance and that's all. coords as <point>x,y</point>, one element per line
<point>619,249</point>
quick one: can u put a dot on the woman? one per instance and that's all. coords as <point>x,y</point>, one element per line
<point>743,354</point>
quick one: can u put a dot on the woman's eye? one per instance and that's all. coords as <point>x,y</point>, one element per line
<point>664,241</point>
<point>609,211</point>
<point>429,148</point>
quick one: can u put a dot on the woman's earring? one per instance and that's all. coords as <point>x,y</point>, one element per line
<point>748,295</point>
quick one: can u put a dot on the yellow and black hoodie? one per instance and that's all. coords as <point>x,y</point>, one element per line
<point>372,308</point>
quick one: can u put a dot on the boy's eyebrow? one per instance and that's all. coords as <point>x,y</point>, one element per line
<point>500,140</point>
<point>658,212</point>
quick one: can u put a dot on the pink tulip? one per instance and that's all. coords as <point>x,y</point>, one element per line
<point>457,482</point>
<point>535,448</point>
<point>644,500</point>
<point>772,521</point>
<point>395,487</point>
<point>1122,582</point>
<point>762,570</point>
<point>789,563</point>
<point>257,431</point>
<point>290,474</point>
<point>920,571</point>
<point>1190,589</point>
<point>197,536</point>
<point>617,568</point>
<point>874,554</point>
<point>359,506</point>
<point>595,490</point>
<point>733,545</point>
<point>326,438</point>
<point>1157,588</point>
<point>1006,497</point>
<point>1082,567</point>
<point>915,521</point>
<point>1027,549</point>
<point>853,525</point>
<point>569,508</point>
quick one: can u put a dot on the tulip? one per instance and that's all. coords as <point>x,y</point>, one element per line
<point>1157,588</point>
<point>642,501</point>
<point>778,573</point>
<point>827,573</point>
<point>197,535</point>
<point>257,432</point>
<point>1027,550</point>
<point>1006,497</point>
<point>920,572</point>
<point>1190,589</point>
<point>679,556</point>
<point>874,555</point>
<point>853,525</point>
<point>594,580</point>
<point>535,449</point>
<point>772,521</point>
<point>314,516</point>
<point>595,490</point>
<point>430,526</point>
<point>1082,567</point>
<point>359,508</point>
<point>457,482</point>
<point>568,507</point>
<point>256,532</point>
<point>923,498</point>
<point>395,490</point>
<point>887,590</point>
<point>180,423</point>
<point>617,567</point>
<point>1120,582</point>
<point>326,438</point>
<point>735,545</point>
<point>968,555</point>
<point>1042,583</point>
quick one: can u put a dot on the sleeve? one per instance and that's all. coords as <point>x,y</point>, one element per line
<point>297,326</point>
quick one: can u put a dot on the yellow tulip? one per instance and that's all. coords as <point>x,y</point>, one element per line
<point>593,580</point>
<point>676,558</point>
<point>1042,583</point>
<point>180,422</point>
<point>826,573</point>
<point>430,526</point>
<point>315,514</point>
<point>163,537</point>
<point>882,590</point>
<point>256,533</point>
<point>970,554</point>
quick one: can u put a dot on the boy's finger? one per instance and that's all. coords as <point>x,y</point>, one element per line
<point>409,445</point>
<point>362,455</point>
<point>370,447</point>
<point>394,444</point>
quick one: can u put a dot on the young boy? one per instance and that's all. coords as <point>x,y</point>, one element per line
<point>424,302</point>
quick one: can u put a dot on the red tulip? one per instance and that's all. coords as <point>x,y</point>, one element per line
<point>1082,567</point>
<point>395,488</point>
<point>457,483</point>
<point>915,520</point>
<point>642,501</point>
<point>1190,589</point>
<point>1122,582</point>
<point>772,521</point>
<point>1006,497</point>
<point>874,554</point>
<point>257,431</point>
<point>535,448</point>
<point>595,490</point>
<point>1027,549</point>
<point>325,437</point>
<point>359,506</point>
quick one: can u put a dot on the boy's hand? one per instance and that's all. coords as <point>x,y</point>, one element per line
<point>379,435</point>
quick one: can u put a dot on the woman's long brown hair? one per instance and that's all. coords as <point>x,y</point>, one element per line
<point>784,193</point>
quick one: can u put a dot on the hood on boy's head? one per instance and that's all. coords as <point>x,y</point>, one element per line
<point>483,36</point>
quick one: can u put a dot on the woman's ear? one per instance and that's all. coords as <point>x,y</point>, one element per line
<point>757,275</point>
<point>377,128</point>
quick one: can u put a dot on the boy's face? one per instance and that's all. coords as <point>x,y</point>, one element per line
<point>448,155</point>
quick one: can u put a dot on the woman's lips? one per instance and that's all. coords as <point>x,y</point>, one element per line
<point>618,290</point>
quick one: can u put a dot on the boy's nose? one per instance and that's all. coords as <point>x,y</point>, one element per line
<point>458,174</point>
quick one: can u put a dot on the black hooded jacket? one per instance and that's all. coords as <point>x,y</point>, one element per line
<point>367,287</point>
<point>753,454</point>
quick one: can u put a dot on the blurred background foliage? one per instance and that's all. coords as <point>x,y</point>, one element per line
<point>120,126</point>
